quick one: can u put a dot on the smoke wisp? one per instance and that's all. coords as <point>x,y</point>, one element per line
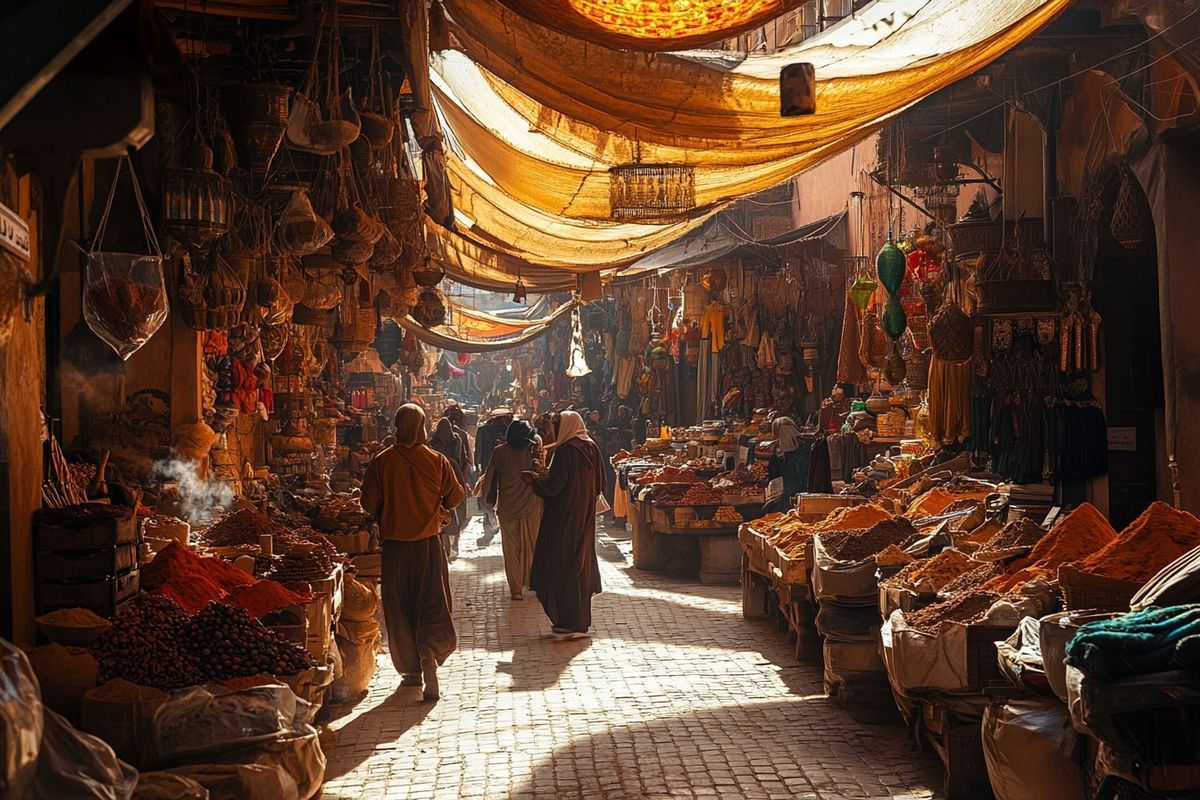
<point>200,499</point>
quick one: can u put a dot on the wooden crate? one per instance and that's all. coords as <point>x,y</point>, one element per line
<point>89,535</point>
<point>65,565</point>
<point>957,742</point>
<point>102,596</point>
<point>1083,591</point>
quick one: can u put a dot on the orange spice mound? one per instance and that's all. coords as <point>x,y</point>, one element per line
<point>852,518</point>
<point>1078,535</point>
<point>931,503</point>
<point>1156,538</point>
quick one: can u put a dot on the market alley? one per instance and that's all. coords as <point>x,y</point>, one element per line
<point>676,696</point>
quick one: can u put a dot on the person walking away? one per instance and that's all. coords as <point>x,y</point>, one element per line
<point>459,419</point>
<point>409,489</point>
<point>518,507</point>
<point>788,463</point>
<point>565,572</point>
<point>447,442</point>
<point>490,434</point>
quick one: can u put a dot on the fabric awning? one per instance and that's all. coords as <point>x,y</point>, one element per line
<point>535,118</point>
<point>447,338</point>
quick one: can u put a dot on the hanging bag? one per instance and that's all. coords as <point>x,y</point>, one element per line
<point>124,294</point>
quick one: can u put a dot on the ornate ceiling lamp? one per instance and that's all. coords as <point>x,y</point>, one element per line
<point>651,25</point>
<point>651,193</point>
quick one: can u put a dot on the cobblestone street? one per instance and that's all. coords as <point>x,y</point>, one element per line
<point>676,697</point>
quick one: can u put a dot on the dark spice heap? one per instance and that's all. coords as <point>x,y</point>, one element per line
<point>130,311</point>
<point>153,642</point>
<point>245,526</point>
<point>1015,538</point>
<point>303,564</point>
<point>859,545</point>
<point>974,579</point>
<point>966,607</point>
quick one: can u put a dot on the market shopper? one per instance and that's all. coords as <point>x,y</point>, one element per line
<point>410,489</point>
<point>490,434</point>
<point>447,441</point>
<point>565,572</point>
<point>518,507</point>
<point>788,463</point>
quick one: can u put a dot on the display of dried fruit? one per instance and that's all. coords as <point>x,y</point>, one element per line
<point>698,495</point>
<point>727,515</point>
<point>667,475</point>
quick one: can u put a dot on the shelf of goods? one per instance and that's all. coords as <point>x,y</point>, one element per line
<point>85,557</point>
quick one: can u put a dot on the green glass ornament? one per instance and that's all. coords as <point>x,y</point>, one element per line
<point>889,265</point>
<point>894,319</point>
<point>861,292</point>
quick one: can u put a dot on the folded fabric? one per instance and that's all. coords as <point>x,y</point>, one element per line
<point>1153,640</point>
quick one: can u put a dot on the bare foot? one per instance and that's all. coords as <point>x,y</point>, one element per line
<point>429,673</point>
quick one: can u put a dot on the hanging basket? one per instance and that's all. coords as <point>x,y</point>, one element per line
<point>873,346</point>
<point>352,252</point>
<point>430,273</point>
<point>355,333</point>
<point>399,200</point>
<point>917,371</point>
<point>286,271</point>
<point>430,309</point>
<point>197,202</point>
<point>257,114</point>
<point>952,334</point>
<point>324,291</point>
<point>1132,220</point>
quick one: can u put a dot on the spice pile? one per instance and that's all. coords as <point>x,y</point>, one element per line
<point>698,495</point>
<point>263,598</point>
<point>1157,537</point>
<point>1075,537</point>
<point>930,504</point>
<point>932,574</point>
<point>1014,539</point>
<point>303,564</point>
<point>245,526</point>
<point>892,556</point>
<point>668,475</point>
<point>859,545</point>
<point>129,311</point>
<point>727,515</point>
<point>741,478</point>
<point>194,581</point>
<point>851,518</point>
<point>976,578</point>
<point>965,607</point>
<point>154,642</point>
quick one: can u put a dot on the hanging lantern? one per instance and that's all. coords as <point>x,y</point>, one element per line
<point>651,193</point>
<point>1132,221</point>
<point>430,310</point>
<point>387,342</point>
<point>889,265</point>
<point>894,319</point>
<point>258,116</point>
<point>578,366</point>
<point>861,292</point>
<point>196,199</point>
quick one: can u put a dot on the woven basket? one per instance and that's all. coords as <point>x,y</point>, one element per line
<point>874,347</point>
<point>354,335</point>
<point>917,372</point>
<point>952,334</point>
<point>1132,220</point>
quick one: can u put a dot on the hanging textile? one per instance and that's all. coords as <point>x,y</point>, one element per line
<point>447,341</point>
<point>533,116</point>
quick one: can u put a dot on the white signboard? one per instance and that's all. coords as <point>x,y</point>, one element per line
<point>14,233</point>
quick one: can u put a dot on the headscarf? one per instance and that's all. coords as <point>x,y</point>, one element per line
<point>570,426</point>
<point>519,434</point>
<point>455,415</point>
<point>786,434</point>
<point>410,425</point>
<point>444,432</point>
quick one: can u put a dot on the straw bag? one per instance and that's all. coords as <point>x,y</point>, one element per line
<point>952,334</point>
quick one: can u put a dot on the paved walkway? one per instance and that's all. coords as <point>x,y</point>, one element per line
<point>676,697</point>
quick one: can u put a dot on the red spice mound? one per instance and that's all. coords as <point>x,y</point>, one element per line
<point>264,597</point>
<point>189,579</point>
<point>1156,538</point>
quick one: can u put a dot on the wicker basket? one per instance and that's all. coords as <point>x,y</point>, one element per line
<point>355,334</point>
<point>952,334</point>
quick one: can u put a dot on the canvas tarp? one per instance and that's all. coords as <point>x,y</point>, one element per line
<point>452,338</point>
<point>535,118</point>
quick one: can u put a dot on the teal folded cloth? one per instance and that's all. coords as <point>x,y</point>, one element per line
<point>1154,640</point>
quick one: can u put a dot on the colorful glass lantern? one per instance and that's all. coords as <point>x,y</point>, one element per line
<point>890,266</point>
<point>894,319</point>
<point>861,292</point>
<point>196,200</point>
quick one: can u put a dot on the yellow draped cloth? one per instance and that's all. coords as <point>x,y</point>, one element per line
<point>534,120</point>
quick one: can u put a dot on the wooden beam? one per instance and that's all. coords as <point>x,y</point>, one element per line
<point>246,9</point>
<point>39,39</point>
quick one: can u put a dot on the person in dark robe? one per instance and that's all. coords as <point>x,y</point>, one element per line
<point>566,572</point>
<point>446,441</point>
<point>409,488</point>
<point>790,462</point>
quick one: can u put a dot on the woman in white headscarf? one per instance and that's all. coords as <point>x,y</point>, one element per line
<point>565,572</point>
<point>790,461</point>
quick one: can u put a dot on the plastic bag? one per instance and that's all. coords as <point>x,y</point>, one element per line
<point>167,786</point>
<point>124,294</point>
<point>360,603</point>
<point>21,720</point>
<point>204,719</point>
<point>358,643</point>
<point>300,230</point>
<point>241,781</point>
<point>78,765</point>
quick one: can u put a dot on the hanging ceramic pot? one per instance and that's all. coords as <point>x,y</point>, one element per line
<point>890,266</point>
<point>894,319</point>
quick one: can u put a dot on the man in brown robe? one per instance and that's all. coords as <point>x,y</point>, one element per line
<point>410,489</point>
<point>566,572</point>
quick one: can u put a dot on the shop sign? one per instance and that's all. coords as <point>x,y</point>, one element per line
<point>14,234</point>
<point>1122,439</point>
